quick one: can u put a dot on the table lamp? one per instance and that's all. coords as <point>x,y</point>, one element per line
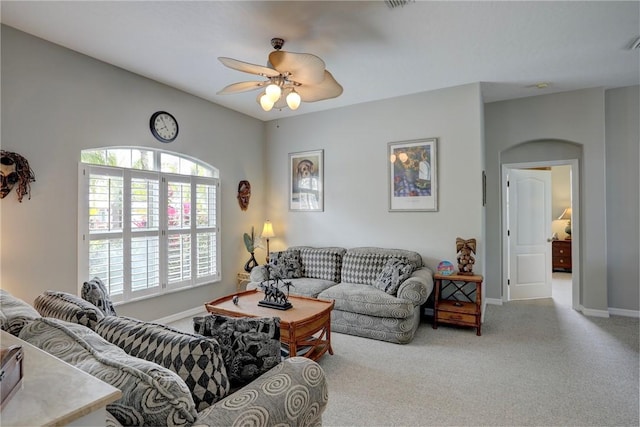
<point>267,233</point>
<point>567,215</point>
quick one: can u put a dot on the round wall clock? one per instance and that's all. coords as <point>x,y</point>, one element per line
<point>163,126</point>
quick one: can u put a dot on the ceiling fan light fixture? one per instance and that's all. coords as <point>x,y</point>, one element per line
<point>293,100</point>
<point>273,92</point>
<point>284,71</point>
<point>266,103</point>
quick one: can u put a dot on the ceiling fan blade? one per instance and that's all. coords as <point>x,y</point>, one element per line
<point>248,68</point>
<point>242,87</point>
<point>328,88</point>
<point>304,68</point>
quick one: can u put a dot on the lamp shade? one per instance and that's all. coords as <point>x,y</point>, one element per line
<point>566,214</point>
<point>273,92</point>
<point>266,103</point>
<point>293,100</point>
<point>267,230</point>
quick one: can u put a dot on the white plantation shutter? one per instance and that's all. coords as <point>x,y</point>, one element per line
<point>206,224</point>
<point>179,233</point>
<point>105,226</point>
<point>144,232</point>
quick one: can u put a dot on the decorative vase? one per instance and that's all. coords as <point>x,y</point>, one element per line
<point>250,264</point>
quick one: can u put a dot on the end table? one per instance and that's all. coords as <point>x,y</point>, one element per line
<point>458,300</point>
<point>241,281</point>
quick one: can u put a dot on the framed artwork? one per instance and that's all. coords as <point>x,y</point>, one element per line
<point>413,175</point>
<point>306,178</point>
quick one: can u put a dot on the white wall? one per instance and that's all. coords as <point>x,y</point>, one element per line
<point>55,103</point>
<point>354,140</point>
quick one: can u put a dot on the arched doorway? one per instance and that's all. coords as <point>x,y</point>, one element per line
<point>541,154</point>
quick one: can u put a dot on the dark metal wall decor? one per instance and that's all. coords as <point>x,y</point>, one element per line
<point>15,170</point>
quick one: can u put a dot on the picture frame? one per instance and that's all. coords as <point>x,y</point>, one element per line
<point>306,181</point>
<point>413,175</point>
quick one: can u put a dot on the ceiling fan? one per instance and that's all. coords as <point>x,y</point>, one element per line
<point>290,79</point>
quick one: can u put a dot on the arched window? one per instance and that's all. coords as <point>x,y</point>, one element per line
<point>147,221</point>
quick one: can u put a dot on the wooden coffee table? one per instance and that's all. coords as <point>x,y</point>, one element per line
<point>304,329</point>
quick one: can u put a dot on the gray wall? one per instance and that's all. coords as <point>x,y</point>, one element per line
<point>566,125</point>
<point>356,162</point>
<point>56,102</point>
<point>623,156</point>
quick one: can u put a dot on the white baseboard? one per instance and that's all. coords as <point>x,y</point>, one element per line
<point>624,312</point>
<point>179,316</point>
<point>493,301</point>
<point>594,312</point>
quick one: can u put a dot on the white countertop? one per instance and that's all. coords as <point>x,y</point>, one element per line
<point>52,391</point>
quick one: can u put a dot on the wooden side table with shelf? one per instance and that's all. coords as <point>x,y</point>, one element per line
<point>458,300</point>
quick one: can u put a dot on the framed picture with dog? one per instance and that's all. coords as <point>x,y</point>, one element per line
<point>306,179</point>
<point>413,177</point>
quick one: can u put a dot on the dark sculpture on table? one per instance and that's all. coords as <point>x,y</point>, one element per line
<point>273,295</point>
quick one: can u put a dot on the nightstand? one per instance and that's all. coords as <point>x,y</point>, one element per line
<point>561,255</point>
<point>458,300</point>
<point>242,279</point>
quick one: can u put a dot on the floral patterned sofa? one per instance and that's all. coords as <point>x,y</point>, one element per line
<point>177,378</point>
<point>378,292</point>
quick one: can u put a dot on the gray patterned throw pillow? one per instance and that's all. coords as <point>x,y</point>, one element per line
<point>97,294</point>
<point>285,264</point>
<point>395,271</point>
<point>250,346</point>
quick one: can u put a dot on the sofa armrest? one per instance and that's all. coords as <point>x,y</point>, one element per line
<point>294,393</point>
<point>418,287</point>
<point>258,273</point>
<point>68,307</point>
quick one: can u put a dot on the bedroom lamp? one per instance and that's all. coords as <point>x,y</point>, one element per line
<point>267,233</point>
<point>567,215</point>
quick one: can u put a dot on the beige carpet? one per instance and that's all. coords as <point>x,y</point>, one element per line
<point>537,363</point>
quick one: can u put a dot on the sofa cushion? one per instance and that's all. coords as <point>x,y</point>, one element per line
<point>15,313</point>
<point>321,263</point>
<point>368,300</point>
<point>97,294</point>
<point>394,272</point>
<point>363,267</point>
<point>69,307</point>
<point>151,394</point>
<point>197,360</point>
<point>364,264</point>
<point>285,264</point>
<point>250,346</point>
<point>304,287</point>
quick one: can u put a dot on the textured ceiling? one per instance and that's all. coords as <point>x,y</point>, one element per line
<point>373,51</point>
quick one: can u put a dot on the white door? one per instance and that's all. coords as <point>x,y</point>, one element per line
<point>529,229</point>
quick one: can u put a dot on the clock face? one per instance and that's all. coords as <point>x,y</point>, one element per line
<point>164,126</point>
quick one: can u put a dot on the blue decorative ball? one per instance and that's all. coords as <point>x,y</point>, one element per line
<point>445,268</point>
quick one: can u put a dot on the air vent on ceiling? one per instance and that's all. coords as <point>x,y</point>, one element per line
<point>635,44</point>
<point>395,3</point>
